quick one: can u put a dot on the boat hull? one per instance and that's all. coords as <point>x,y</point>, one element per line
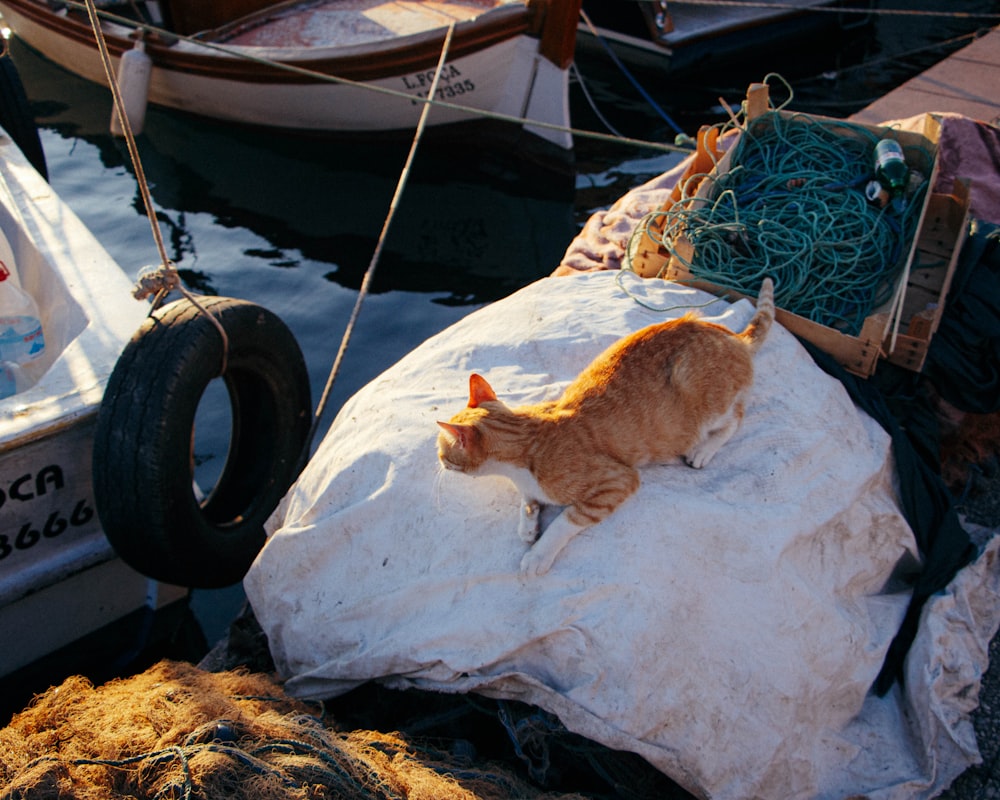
<point>706,38</point>
<point>494,69</point>
<point>59,576</point>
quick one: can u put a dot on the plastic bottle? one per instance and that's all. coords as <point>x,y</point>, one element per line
<point>21,338</point>
<point>134,71</point>
<point>8,379</point>
<point>890,166</point>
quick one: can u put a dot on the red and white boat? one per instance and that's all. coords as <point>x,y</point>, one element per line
<point>328,65</point>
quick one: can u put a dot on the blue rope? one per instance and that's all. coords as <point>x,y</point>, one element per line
<point>631,78</point>
<point>792,206</point>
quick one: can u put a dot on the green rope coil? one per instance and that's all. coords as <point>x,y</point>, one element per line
<point>792,206</point>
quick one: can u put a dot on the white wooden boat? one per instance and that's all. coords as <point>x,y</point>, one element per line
<point>328,65</point>
<point>678,36</point>
<point>60,580</point>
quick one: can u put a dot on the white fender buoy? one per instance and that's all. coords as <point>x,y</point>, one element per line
<point>134,71</point>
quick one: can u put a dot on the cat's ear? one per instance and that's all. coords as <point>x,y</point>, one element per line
<point>462,434</point>
<point>479,391</point>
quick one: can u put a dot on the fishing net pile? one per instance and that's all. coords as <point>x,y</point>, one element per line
<point>792,205</point>
<point>176,731</point>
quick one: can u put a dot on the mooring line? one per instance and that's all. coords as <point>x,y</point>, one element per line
<point>169,278</point>
<point>370,272</point>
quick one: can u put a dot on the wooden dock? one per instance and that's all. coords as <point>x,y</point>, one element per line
<point>967,82</point>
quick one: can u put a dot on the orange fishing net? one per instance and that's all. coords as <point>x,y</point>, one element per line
<point>176,731</point>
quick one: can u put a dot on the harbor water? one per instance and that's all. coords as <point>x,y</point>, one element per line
<point>291,222</point>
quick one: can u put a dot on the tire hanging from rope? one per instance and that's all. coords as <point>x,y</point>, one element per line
<point>149,505</point>
<point>143,472</point>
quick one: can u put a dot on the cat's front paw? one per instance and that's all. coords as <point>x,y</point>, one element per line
<point>527,528</point>
<point>698,458</point>
<point>536,562</point>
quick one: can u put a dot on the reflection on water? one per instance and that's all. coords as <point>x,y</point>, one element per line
<point>325,201</point>
<point>292,223</point>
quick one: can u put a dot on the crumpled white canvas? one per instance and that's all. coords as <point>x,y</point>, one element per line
<point>724,623</point>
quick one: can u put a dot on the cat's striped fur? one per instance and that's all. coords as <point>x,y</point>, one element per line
<point>674,389</point>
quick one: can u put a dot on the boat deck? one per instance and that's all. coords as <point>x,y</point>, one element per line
<point>351,22</point>
<point>964,83</point>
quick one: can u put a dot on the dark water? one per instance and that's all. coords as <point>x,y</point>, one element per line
<point>292,223</point>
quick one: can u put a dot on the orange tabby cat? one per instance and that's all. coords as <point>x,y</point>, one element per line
<point>672,389</point>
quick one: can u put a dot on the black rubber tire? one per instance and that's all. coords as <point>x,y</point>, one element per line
<point>142,464</point>
<point>16,117</point>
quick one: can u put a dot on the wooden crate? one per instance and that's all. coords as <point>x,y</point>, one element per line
<point>939,244</point>
<point>901,329</point>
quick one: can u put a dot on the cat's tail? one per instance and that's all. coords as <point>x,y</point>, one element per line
<point>756,330</point>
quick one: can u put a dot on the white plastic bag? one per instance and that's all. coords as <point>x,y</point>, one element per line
<point>22,341</point>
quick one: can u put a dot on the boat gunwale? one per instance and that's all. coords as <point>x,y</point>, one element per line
<point>737,26</point>
<point>401,55</point>
<point>683,37</point>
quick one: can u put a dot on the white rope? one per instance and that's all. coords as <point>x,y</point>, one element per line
<point>370,272</point>
<point>158,275</point>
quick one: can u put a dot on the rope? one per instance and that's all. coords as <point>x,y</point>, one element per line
<point>629,76</point>
<point>157,281</point>
<point>582,83</point>
<point>660,309</point>
<point>126,127</point>
<point>530,738</point>
<point>792,206</point>
<point>157,278</point>
<point>333,774</point>
<point>370,272</point>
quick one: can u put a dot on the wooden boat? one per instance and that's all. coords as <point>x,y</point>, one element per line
<point>60,579</point>
<point>678,36</point>
<point>328,65</point>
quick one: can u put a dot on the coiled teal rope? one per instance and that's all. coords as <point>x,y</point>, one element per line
<point>792,206</point>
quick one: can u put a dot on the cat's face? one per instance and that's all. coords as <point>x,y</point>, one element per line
<point>458,445</point>
<point>460,440</point>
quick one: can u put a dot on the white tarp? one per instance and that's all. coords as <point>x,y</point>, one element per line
<point>724,623</point>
